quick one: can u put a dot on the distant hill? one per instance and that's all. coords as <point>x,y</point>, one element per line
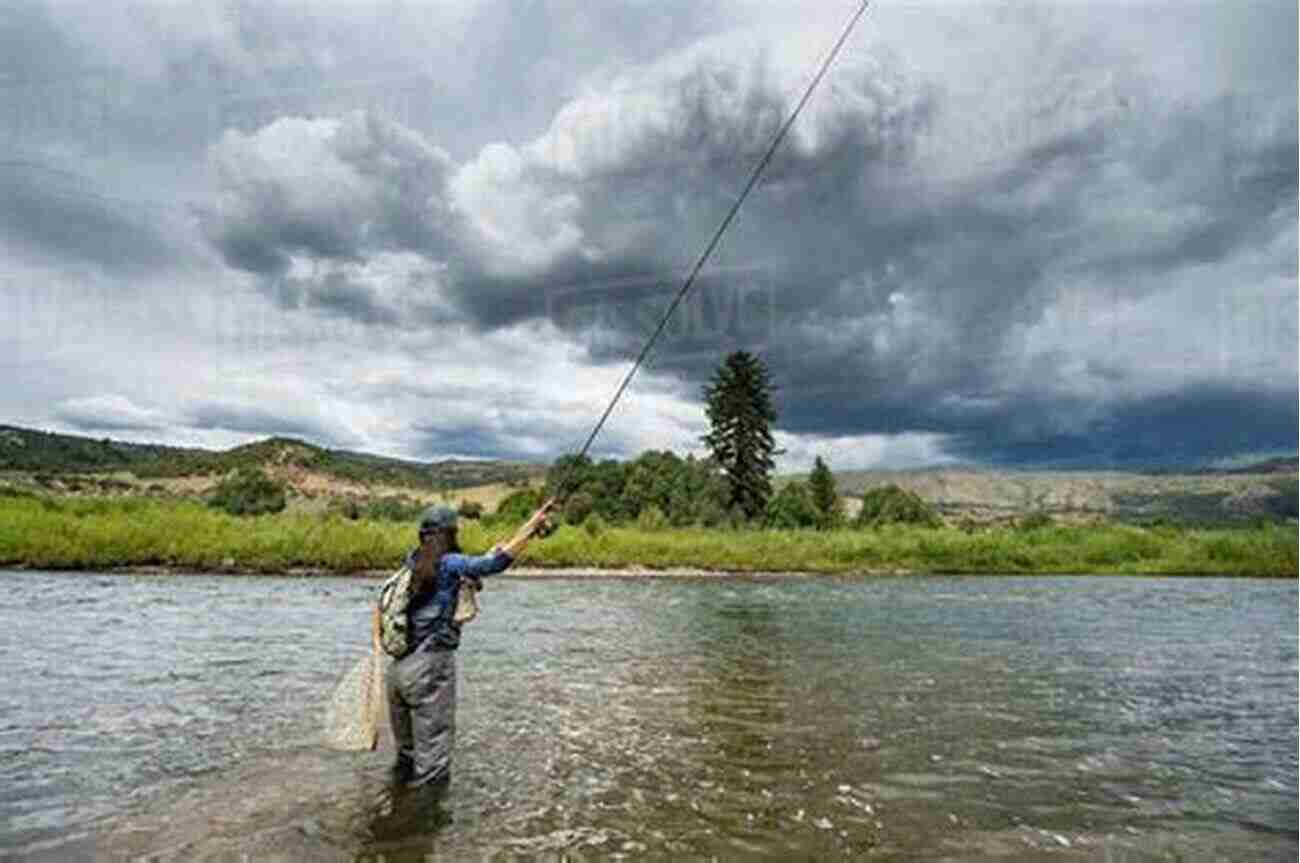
<point>1265,491</point>
<point>31,450</point>
<point>41,452</point>
<point>1272,465</point>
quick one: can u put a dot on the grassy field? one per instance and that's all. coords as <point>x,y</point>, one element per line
<point>489,495</point>
<point>101,533</point>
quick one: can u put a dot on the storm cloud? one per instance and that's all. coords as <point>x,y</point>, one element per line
<point>1029,238</point>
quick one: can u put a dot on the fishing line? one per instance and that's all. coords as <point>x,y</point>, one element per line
<point>754,176</point>
<point>355,711</point>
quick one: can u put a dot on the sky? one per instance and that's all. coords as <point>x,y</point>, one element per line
<point>1044,235</point>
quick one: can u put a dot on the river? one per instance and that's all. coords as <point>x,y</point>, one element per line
<point>912,718</point>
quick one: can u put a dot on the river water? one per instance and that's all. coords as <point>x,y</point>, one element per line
<point>178,717</point>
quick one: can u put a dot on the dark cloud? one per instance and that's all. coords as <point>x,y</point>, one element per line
<point>473,441</point>
<point>33,49</point>
<point>336,294</point>
<point>61,216</point>
<point>1194,426</point>
<point>496,433</point>
<point>893,278</point>
<point>897,317</point>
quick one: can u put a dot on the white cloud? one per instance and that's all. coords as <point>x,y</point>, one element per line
<point>515,227</point>
<point>333,188</point>
<point>861,452</point>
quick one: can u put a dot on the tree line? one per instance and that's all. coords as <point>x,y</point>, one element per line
<point>660,489</point>
<point>730,486</point>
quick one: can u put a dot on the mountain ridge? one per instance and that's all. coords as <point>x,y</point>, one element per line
<point>39,451</point>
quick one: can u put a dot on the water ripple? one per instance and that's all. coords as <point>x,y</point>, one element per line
<point>786,719</point>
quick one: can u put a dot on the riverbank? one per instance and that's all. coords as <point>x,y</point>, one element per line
<point>178,536</point>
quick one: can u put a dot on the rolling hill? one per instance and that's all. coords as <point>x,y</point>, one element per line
<point>49,454</point>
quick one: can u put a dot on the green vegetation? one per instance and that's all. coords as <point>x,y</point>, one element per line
<point>1035,521</point>
<point>890,504</point>
<point>517,506</point>
<point>659,509</point>
<point>340,464</point>
<point>96,533</point>
<point>398,508</point>
<point>1287,501</point>
<point>45,452</point>
<point>826,499</point>
<point>470,509</point>
<point>792,507</point>
<point>684,491</point>
<point>248,492</point>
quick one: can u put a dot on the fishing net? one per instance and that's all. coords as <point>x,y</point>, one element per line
<point>358,708</point>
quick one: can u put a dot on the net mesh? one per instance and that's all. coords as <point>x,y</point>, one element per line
<point>358,707</point>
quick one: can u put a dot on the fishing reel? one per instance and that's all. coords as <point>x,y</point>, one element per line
<point>545,529</point>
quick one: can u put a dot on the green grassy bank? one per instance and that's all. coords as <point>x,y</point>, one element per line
<point>99,533</point>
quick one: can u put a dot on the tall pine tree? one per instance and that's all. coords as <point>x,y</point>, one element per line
<point>738,403</point>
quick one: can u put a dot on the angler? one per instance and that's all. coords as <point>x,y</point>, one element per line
<point>418,619</point>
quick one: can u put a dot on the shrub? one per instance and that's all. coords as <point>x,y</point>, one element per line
<point>248,492</point>
<point>1035,520</point>
<point>824,496</point>
<point>392,508</point>
<point>652,518</point>
<point>792,507</point>
<point>346,507</point>
<point>711,514</point>
<point>578,507</point>
<point>594,525</point>
<point>1286,503</point>
<point>470,509</point>
<point>890,504</point>
<point>518,505</point>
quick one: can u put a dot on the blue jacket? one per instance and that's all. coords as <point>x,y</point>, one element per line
<point>431,612</point>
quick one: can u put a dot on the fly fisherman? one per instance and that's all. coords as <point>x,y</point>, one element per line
<point>422,684</point>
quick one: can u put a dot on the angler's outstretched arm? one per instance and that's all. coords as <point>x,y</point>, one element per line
<point>527,530</point>
<point>501,555</point>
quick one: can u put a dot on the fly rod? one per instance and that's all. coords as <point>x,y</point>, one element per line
<point>561,491</point>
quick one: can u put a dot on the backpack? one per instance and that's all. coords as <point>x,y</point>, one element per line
<point>395,602</point>
<point>394,625</point>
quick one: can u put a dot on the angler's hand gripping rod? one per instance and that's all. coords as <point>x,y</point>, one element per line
<point>561,491</point>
